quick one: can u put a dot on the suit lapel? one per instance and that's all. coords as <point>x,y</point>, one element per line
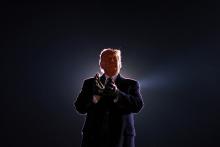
<point>118,80</point>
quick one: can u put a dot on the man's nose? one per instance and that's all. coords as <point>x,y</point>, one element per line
<point>112,60</point>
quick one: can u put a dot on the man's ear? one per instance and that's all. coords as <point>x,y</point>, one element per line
<point>101,65</point>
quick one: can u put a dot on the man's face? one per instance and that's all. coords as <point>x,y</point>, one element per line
<point>110,64</point>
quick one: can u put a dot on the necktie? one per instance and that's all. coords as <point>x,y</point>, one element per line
<point>109,81</point>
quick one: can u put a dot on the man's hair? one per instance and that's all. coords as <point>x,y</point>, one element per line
<point>105,51</point>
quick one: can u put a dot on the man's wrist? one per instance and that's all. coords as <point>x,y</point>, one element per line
<point>115,100</point>
<point>96,98</point>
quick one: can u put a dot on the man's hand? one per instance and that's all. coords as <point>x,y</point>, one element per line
<point>98,87</point>
<point>111,89</point>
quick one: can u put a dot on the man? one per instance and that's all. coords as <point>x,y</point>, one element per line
<point>109,102</point>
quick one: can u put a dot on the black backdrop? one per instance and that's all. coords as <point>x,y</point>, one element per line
<point>171,48</point>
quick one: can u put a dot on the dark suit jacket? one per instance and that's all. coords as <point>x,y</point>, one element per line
<point>108,118</point>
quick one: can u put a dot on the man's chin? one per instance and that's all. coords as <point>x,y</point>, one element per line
<point>111,74</point>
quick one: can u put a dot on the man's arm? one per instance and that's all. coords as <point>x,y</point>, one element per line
<point>84,100</point>
<point>131,101</point>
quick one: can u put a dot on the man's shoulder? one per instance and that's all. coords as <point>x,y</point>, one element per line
<point>88,80</point>
<point>130,81</point>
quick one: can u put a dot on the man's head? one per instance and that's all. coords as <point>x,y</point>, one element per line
<point>110,61</point>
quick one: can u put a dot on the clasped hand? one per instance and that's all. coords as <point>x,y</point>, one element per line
<point>108,90</point>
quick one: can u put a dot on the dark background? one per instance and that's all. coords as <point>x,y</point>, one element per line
<point>170,47</point>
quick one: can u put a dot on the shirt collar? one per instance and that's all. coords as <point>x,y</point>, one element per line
<point>113,78</point>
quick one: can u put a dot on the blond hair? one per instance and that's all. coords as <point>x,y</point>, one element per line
<point>105,51</point>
